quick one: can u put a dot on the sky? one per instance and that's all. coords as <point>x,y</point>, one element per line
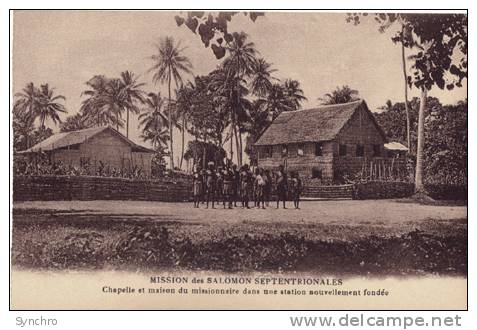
<point>320,50</point>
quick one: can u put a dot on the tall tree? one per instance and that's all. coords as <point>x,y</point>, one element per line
<point>131,95</point>
<point>441,59</point>
<point>340,95</point>
<point>28,102</point>
<point>406,37</point>
<point>294,93</point>
<point>102,106</point>
<point>238,65</point>
<point>277,101</point>
<point>39,103</point>
<point>169,64</point>
<point>74,123</point>
<point>261,80</point>
<point>49,107</point>
<point>183,105</point>
<point>23,127</point>
<point>152,117</point>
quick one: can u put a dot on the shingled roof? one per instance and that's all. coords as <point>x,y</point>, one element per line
<point>61,140</point>
<point>311,125</point>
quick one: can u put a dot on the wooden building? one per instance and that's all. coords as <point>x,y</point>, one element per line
<point>327,143</point>
<point>93,146</point>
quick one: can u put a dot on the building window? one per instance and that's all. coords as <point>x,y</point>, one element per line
<point>342,150</point>
<point>300,151</point>
<point>284,150</point>
<point>316,173</point>
<point>359,150</point>
<point>266,152</point>
<point>318,149</point>
<point>377,150</point>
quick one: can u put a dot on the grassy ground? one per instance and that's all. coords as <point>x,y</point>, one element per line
<point>356,237</point>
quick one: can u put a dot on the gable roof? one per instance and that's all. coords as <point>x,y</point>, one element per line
<point>312,125</point>
<point>61,140</point>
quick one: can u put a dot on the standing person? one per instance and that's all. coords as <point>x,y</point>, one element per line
<point>255,174</point>
<point>227,194</point>
<point>268,187</point>
<point>296,189</point>
<point>210,184</point>
<point>282,185</point>
<point>219,184</point>
<point>203,175</point>
<point>259,188</point>
<point>245,185</point>
<point>236,184</point>
<point>197,184</point>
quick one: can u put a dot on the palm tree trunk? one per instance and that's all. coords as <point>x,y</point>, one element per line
<point>241,146</point>
<point>237,145</point>
<point>127,122</point>
<point>419,186</point>
<point>232,125</point>
<point>183,140</point>
<point>406,105</point>
<point>169,117</point>
<point>204,153</point>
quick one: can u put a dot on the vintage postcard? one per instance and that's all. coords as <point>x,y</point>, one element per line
<point>172,160</point>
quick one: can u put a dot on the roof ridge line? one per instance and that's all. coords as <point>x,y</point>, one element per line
<point>325,106</point>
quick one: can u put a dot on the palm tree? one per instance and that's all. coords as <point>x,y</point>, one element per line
<point>169,64</point>
<point>97,108</point>
<point>131,94</point>
<point>74,123</point>
<point>238,65</point>
<point>340,95</point>
<point>49,108</point>
<point>23,127</point>
<point>406,40</point>
<point>294,93</point>
<point>151,117</point>
<point>261,81</point>
<point>157,138</point>
<point>33,103</point>
<point>28,102</point>
<point>277,101</point>
<point>184,96</point>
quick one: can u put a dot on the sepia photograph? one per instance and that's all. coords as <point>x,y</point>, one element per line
<point>213,160</point>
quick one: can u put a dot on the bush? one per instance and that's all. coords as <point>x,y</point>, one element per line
<point>382,189</point>
<point>447,191</point>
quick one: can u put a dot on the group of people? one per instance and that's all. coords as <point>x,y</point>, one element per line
<point>230,185</point>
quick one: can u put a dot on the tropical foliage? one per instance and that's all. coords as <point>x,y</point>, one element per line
<point>439,58</point>
<point>169,64</point>
<point>445,151</point>
<point>35,105</point>
<point>340,95</point>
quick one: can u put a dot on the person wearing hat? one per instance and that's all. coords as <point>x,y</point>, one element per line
<point>210,184</point>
